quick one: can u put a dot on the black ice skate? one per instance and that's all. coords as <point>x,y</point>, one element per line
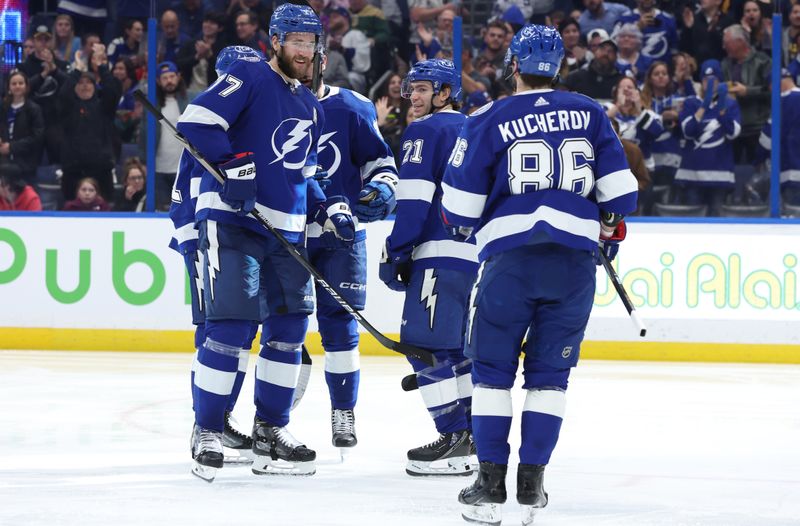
<point>240,444</point>
<point>206,447</point>
<point>343,429</point>
<point>530,491</point>
<point>483,500</point>
<point>447,455</point>
<point>277,452</point>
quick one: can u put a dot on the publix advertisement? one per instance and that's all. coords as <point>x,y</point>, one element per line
<point>708,291</point>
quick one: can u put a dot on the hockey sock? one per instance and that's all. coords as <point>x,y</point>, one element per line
<point>199,338</point>
<point>217,363</point>
<point>439,390</point>
<point>491,423</point>
<point>278,366</point>
<point>342,363</point>
<point>541,424</point>
<point>244,358</point>
<point>462,367</point>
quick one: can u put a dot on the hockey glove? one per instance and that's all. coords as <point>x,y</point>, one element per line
<point>239,190</point>
<point>708,96</point>
<point>722,93</point>
<point>376,201</point>
<point>610,240</point>
<point>322,178</point>
<point>394,271</point>
<point>336,220</point>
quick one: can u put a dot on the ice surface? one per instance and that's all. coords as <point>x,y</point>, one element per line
<point>103,439</point>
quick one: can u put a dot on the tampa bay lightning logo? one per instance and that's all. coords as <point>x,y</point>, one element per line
<point>291,142</point>
<point>327,145</point>
<point>655,45</point>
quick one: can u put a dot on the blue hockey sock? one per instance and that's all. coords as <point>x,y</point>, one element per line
<point>339,332</point>
<point>541,424</point>
<point>491,423</point>
<point>439,390</point>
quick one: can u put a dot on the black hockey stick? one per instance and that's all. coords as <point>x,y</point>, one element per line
<point>409,382</point>
<point>402,348</point>
<point>623,294</point>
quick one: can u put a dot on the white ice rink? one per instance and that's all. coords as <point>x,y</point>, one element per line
<point>102,439</point>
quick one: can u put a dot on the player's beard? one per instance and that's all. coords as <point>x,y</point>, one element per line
<point>289,68</point>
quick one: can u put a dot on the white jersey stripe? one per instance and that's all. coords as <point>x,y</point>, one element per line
<point>372,166</point>
<point>280,220</point>
<point>202,115</point>
<point>213,380</point>
<point>342,362</point>
<point>615,184</point>
<point>415,189</point>
<point>185,233</point>
<point>277,373</point>
<point>439,393</point>
<point>461,202</point>
<point>501,227</point>
<point>445,248</point>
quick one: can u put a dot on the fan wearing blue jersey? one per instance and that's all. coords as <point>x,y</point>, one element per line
<point>709,125</point>
<point>538,179</point>
<point>659,30</point>
<point>358,164</point>
<point>259,125</point>
<point>435,272</point>
<point>790,139</point>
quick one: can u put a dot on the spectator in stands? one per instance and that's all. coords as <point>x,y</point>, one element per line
<point>748,75</point>
<point>171,39</point>
<point>132,196</point>
<point>600,15</point>
<point>392,109</point>
<point>758,27</point>
<point>599,78</point>
<point>637,122</point>
<point>83,55</point>
<point>66,43</point>
<point>336,72</point>
<point>630,60</point>
<point>371,21</point>
<point>262,12</point>
<point>790,142</point>
<point>425,12</point>
<point>27,48</point>
<point>471,80</point>
<point>248,34</point>
<point>87,198</point>
<point>43,60</point>
<point>494,48</point>
<point>191,16</point>
<point>575,55</point>
<point>637,165</point>
<point>87,112</point>
<point>130,44</point>
<point>659,31</point>
<point>444,28</point>
<point>683,70</point>
<point>710,126</point>
<point>790,36</point>
<point>525,8</point>
<point>16,194</point>
<point>89,16</point>
<point>429,46</point>
<point>352,44</point>
<point>196,59</point>
<point>21,130</point>
<point>702,30</point>
<point>129,112</point>
<point>474,101</point>
<point>172,100</point>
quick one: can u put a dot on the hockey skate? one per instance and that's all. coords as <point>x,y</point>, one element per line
<point>277,452</point>
<point>240,444</point>
<point>343,429</point>
<point>206,447</point>
<point>530,491</point>
<point>447,455</point>
<point>483,500</point>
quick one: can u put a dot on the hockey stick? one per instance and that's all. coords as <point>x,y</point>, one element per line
<point>402,348</point>
<point>623,294</point>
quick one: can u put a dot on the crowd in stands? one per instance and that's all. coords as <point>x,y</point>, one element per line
<point>686,83</point>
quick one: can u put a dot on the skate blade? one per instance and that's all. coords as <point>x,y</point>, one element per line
<point>344,452</point>
<point>239,457</point>
<point>487,513</point>
<point>456,466</point>
<point>528,514</point>
<point>267,466</point>
<point>206,473</point>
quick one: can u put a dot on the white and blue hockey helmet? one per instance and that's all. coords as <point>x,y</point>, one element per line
<point>538,49</point>
<point>438,72</point>
<point>291,18</point>
<point>231,54</point>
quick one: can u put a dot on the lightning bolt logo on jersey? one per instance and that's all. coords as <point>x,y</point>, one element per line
<point>279,121</point>
<point>707,156</point>
<point>660,40</point>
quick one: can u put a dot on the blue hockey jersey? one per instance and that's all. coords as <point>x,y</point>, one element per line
<point>790,137</point>
<point>253,108</point>
<point>666,149</point>
<point>707,156</point>
<point>644,130</point>
<point>185,191</point>
<point>418,229</point>
<point>351,150</point>
<point>537,166</point>
<point>660,40</point>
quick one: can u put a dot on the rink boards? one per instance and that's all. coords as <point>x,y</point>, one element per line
<point>707,291</point>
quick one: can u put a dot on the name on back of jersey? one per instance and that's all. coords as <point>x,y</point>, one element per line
<point>549,122</point>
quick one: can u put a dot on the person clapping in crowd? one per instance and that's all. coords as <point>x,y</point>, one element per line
<point>21,130</point>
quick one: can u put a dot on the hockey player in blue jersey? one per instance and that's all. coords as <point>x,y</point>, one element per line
<point>538,179</point>
<point>259,125</point>
<point>709,125</point>
<point>359,165</point>
<point>435,272</point>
